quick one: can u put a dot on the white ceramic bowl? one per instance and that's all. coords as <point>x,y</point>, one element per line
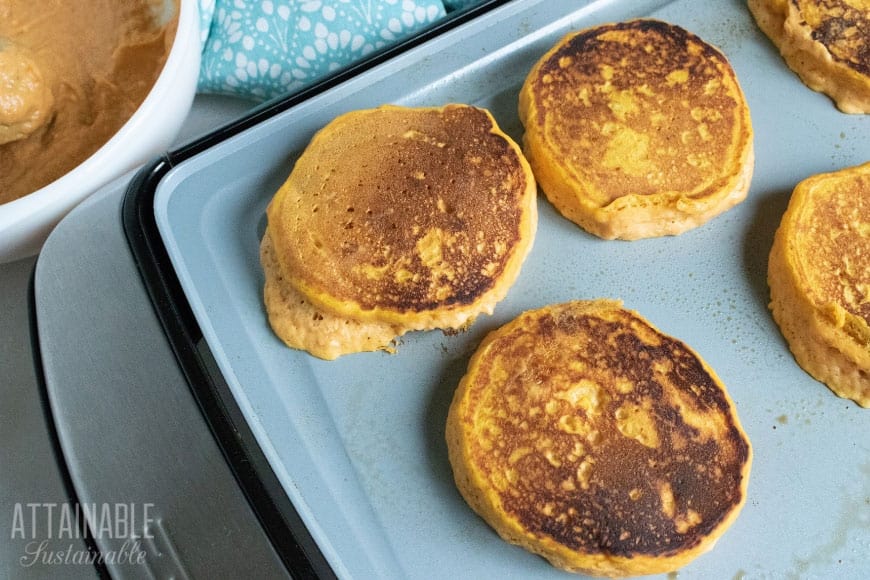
<point>27,221</point>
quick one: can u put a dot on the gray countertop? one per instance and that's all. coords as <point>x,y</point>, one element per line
<point>29,472</point>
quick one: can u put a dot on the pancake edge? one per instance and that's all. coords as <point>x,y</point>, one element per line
<point>295,321</point>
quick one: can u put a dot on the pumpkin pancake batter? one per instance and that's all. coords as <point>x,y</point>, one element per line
<point>71,74</point>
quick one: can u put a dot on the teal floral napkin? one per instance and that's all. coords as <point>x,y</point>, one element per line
<point>263,48</point>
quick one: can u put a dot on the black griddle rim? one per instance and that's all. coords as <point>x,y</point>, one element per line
<point>266,496</point>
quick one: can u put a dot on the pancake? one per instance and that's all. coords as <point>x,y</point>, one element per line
<point>582,433</point>
<point>397,219</point>
<point>826,42</point>
<point>304,327</point>
<point>637,129</point>
<point>819,277</point>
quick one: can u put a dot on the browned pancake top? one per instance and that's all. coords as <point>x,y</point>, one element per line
<point>642,107</point>
<point>832,240</point>
<point>403,209</point>
<point>604,434</point>
<point>842,27</point>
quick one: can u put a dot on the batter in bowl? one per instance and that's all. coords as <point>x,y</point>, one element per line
<point>71,74</point>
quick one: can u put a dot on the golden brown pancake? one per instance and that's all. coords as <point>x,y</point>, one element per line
<point>637,129</point>
<point>401,219</point>
<point>582,433</point>
<point>826,42</point>
<point>819,277</point>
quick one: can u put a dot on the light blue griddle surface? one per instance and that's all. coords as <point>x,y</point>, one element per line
<point>358,443</point>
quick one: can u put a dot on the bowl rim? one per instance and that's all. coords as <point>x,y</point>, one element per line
<point>17,210</point>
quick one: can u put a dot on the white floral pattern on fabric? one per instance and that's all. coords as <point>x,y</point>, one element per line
<point>264,48</point>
